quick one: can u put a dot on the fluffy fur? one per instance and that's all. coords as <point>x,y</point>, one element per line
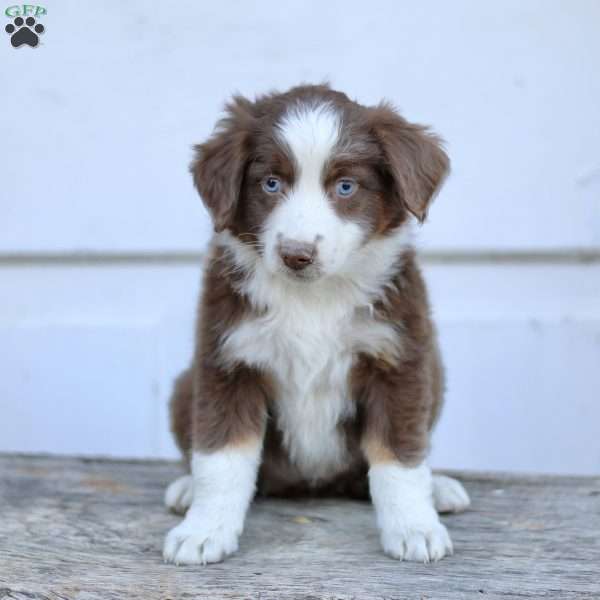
<point>316,368</point>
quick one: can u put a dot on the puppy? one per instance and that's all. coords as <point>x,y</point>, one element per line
<point>316,367</point>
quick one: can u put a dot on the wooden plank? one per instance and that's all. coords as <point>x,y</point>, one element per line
<point>73,528</point>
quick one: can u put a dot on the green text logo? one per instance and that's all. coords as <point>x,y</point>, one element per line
<point>25,10</point>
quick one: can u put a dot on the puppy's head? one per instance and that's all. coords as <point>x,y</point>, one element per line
<point>309,178</point>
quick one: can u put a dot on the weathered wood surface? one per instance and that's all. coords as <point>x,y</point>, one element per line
<point>85,529</point>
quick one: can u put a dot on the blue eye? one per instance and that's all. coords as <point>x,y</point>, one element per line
<point>344,188</point>
<point>271,185</point>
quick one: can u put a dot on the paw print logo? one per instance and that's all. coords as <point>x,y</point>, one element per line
<point>24,32</point>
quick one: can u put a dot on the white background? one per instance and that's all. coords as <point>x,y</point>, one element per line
<point>101,230</point>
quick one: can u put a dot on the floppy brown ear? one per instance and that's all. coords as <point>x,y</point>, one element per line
<point>219,163</point>
<point>414,157</point>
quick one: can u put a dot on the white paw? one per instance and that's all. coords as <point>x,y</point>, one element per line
<point>178,496</point>
<point>197,541</point>
<point>449,495</point>
<point>419,539</point>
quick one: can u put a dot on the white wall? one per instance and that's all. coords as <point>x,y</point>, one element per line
<point>96,127</point>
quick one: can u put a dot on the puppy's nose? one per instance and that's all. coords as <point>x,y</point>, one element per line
<point>297,255</point>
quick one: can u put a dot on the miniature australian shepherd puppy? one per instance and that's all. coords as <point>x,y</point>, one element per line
<point>316,369</point>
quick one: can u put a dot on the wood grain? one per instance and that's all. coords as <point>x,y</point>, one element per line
<point>73,528</point>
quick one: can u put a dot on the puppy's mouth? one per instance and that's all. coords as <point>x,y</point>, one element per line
<point>307,274</point>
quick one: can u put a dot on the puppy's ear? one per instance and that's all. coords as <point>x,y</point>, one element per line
<point>219,164</point>
<point>413,157</point>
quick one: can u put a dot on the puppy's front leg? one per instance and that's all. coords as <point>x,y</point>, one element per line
<point>395,442</point>
<point>228,431</point>
<point>409,524</point>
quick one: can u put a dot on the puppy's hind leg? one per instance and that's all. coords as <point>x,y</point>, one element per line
<point>178,495</point>
<point>449,495</point>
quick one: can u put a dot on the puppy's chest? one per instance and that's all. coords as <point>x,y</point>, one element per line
<point>309,354</point>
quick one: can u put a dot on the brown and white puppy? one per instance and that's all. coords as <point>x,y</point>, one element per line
<point>316,367</point>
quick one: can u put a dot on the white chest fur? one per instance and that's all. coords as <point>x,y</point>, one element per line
<point>310,359</point>
<point>308,345</point>
<point>307,336</point>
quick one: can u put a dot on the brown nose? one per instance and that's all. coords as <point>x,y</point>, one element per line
<point>297,255</point>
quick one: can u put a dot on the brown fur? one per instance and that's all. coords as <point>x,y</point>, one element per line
<point>402,401</point>
<point>400,166</point>
<point>230,401</point>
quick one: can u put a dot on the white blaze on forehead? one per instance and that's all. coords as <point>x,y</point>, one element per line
<point>311,133</point>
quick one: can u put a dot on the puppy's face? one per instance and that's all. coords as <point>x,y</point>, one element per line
<point>308,178</point>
